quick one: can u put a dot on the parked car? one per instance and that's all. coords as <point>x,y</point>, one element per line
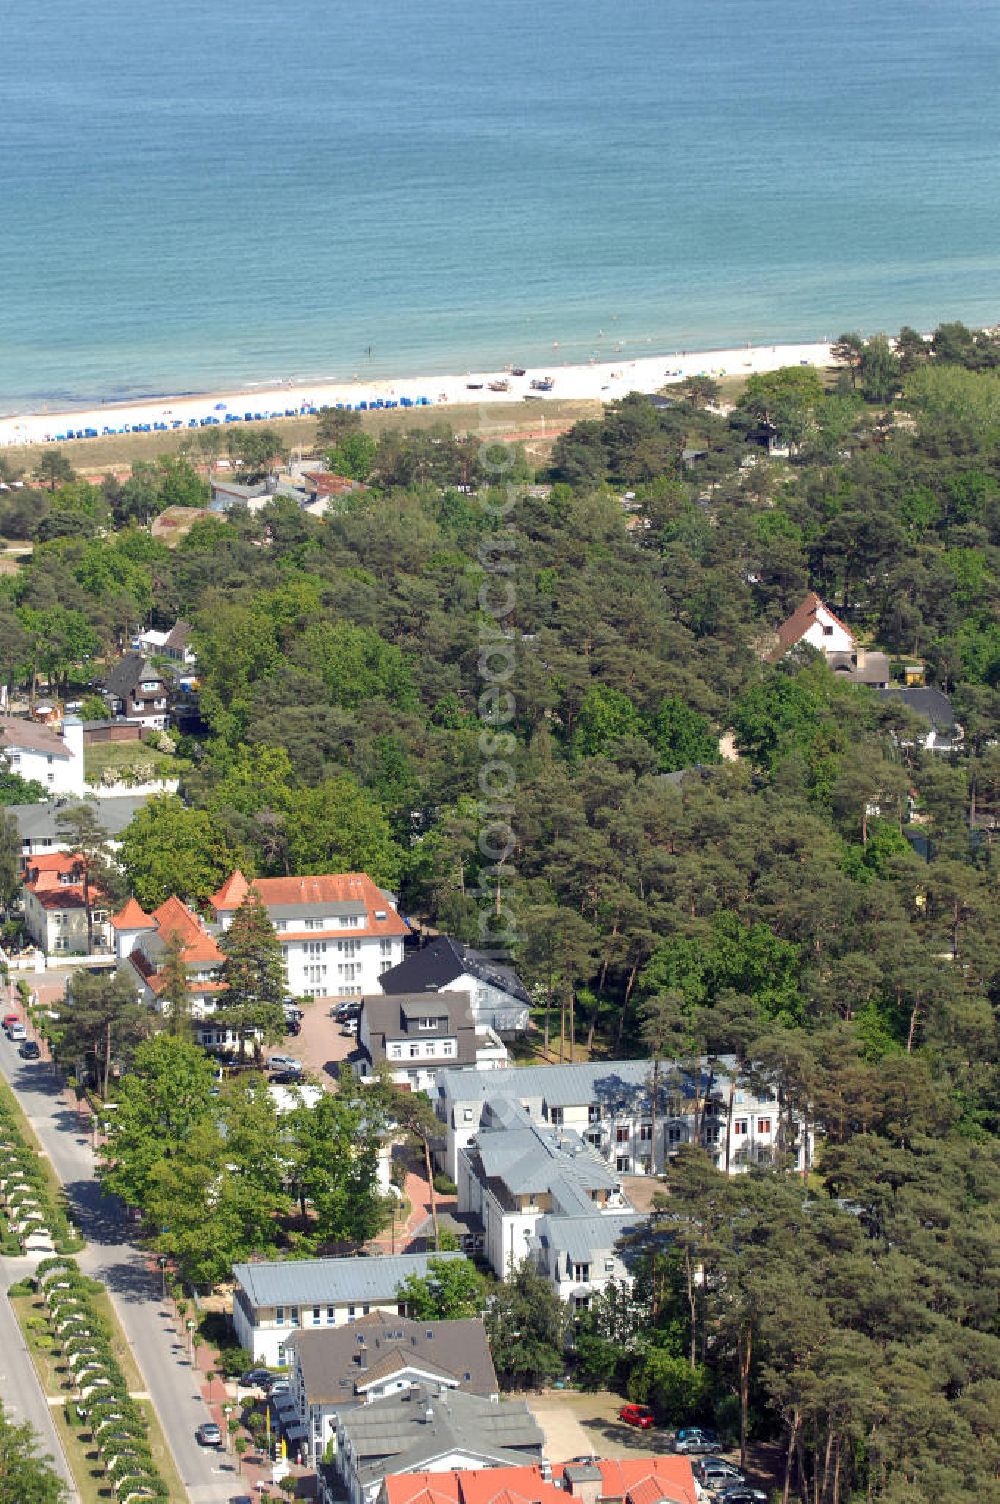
<point>716,1472</point>
<point>285,1063</point>
<point>29,1050</point>
<point>17,1032</point>
<point>691,1439</point>
<point>209,1434</point>
<point>292,1026</point>
<point>741,1493</point>
<point>637,1415</point>
<point>9,1020</point>
<point>256,1378</point>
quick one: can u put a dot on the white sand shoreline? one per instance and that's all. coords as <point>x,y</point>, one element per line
<point>602,381</point>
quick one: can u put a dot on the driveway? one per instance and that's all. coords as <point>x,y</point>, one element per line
<point>134,1290</point>
<point>320,1046</point>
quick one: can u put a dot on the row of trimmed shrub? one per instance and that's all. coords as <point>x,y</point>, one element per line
<point>118,1427</point>
<point>35,1214</point>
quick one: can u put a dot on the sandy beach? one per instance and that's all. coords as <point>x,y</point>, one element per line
<point>601,381</point>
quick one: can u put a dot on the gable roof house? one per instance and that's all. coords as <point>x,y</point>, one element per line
<point>426,1430</point>
<point>338,932</point>
<point>37,824</point>
<point>138,692</point>
<point>140,940</point>
<point>416,1034</point>
<point>813,622</point>
<point>379,1355</point>
<point>55,911</point>
<point>274,1298</point>
<point>40,754</point>
<point>174,644</point>
<point>500,1000</point>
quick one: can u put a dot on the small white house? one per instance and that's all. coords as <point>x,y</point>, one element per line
<point>813,622</point>
<point>40,754</point>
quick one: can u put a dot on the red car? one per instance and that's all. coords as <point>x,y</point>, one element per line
<point>11,1018</point>
<point>637,1415</point>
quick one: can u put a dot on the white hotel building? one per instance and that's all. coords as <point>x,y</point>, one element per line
<point>338,933</point>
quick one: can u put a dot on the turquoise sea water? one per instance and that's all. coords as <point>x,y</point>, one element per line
<point>195,193</point>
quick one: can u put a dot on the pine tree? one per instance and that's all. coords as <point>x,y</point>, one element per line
<point>253,976</point>
<point>176,990</point>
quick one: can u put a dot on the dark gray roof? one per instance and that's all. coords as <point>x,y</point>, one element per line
<point>397,1017</point>
<point>344,1281</point>
<point>127,673</point>
<point>341,1362</point>
<point>443,960</point>
<point>932,704</point>
<point>581,1239</point>
<point>417,1427</point>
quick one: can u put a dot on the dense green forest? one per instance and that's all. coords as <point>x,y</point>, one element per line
<point>824,905</point>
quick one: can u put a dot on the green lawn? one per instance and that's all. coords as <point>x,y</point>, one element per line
<point>122,756</point>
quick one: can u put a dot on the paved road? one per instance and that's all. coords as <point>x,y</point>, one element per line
<point>22,1394</point>
<point>109,1256</point>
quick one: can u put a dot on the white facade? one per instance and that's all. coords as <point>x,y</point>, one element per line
<point>608,1106</point>
<point>39,754</point>
<point>827,634</point>
<point>338,933</point>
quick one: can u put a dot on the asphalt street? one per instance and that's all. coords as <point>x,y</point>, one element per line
<point>208,1476</point>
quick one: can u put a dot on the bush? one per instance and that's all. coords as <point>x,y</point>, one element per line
<point>444,1185</point>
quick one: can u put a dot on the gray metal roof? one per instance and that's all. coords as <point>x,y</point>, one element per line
<point>624,1082</point>
<point>582,1239</point>
<point>37,822</point>
<point>344,1281</point>
<point>926,701</point>
<point>416,1427</point>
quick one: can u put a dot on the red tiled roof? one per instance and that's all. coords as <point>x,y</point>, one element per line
<point>285,892</point>
<point>232,893</point>
<point>133,917</point>
<point>647,1480</point>
<point>174,917</point>
<point>797,625</point>
<point>44,880</point>
<point>327,484</point>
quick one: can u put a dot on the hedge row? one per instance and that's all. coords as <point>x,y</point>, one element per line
<point>117,1425</point>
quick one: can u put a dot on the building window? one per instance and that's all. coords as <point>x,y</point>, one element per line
<point>315,947</point>
<point>622,1164</point>
<point>594,1137</point>
<point>556,1116</point>
<point>622,1135</point>
<point>594,1112</point>
<point>466,1114</point>
<point>414,1051</point>
<point>827,631</point>
<point>763,1125</point>
<point>739,1127</point>
<point>674,1134</point>
<point>317,1315</point>
<point>331,1316</point>
<point>448,1047</point>
<point>395,1052</point>
<point>385,947</point>
<point>279,1315</point>
<point>645,1132</point>
<point>430,1023</point>
<point>581,1273</point>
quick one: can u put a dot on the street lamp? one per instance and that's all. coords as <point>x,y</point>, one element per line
<point>190,1332</point>
<point>163,1276</point>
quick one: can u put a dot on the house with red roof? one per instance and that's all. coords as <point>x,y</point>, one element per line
<point>634,1480</point>
<point>338,933</point>
<point>141,941</point>
<point>812,621</point>
<point>55,906</point>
